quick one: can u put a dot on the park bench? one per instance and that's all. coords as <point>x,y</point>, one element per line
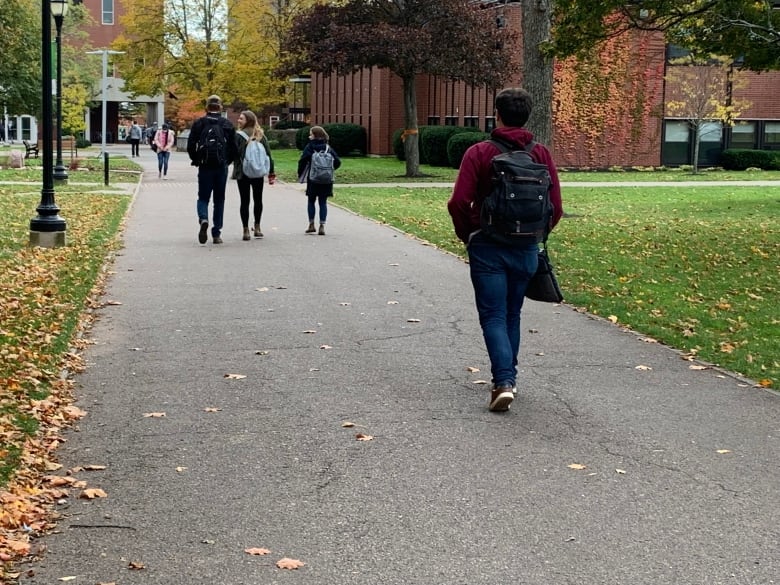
<point>30,149</point>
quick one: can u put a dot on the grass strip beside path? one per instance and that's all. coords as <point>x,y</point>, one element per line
<point>43,296</point>
<point>697,268</point>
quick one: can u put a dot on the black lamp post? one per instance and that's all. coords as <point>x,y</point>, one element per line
<point>47,229</point>
<point>59,8</point>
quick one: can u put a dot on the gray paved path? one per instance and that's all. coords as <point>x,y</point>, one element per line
<point>601,473</point>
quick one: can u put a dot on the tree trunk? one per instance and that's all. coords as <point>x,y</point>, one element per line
<point>410,136</point>
<point>696,144</point>
<point>538,69</point>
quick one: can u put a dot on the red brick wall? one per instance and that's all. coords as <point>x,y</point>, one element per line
<point>102,35</point>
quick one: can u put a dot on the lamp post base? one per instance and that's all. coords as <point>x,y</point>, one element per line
<point>60,174</point>
<point>47,239</point>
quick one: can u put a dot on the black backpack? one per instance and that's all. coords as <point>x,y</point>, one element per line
<point>212,145</point>
<point>517,211</point>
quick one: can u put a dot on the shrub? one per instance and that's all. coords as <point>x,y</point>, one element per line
<point>302,137</point>
<point>459,143</point>
<point>82,142</point>
<point>281,138</point>
<point>345,139</point>
<point>738,159</point>
<point>289,124</point>
<point>433,147</point>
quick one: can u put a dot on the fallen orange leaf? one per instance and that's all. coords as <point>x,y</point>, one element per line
<point>362,437</point>
<point>291,564</point>
<point>257,551</point>
<point>92,493</point>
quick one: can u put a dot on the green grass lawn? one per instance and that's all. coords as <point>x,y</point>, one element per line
<point>389,169</point>
<point>697,268</point>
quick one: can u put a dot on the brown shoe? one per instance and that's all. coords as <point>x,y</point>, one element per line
<point>217,240</point>
<point>258,231</point>
<point>322,229</point>
<point>246,237</point>
<point>311,229</point>
<point>500,398</point>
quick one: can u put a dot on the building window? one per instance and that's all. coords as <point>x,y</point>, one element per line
<point>772,135</point>
<point>471,121</point>
<point>743,135</point>
<point>490,124</point>
<point>675,52</point>
<point>108,11</point>
<point>433,120</point>
<point>450,120</point>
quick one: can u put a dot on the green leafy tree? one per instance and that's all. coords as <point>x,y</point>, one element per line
<point>256,30</point>
<point>20,67</point>
<point>197,47</point>
<point>448,38</point>
<point>742,29</point>
<point>80,72</point>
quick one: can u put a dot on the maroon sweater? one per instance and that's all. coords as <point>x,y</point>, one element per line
<point>474,180</point>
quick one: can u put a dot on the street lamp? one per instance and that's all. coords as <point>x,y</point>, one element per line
<point>104,90</point>
<point>47,229</point>
<point>59,8</point>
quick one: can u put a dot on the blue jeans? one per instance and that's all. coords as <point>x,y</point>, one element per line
<point>500,275</point>
<point>212,180</point>
<point>163,156</point>
<point>323,201</point>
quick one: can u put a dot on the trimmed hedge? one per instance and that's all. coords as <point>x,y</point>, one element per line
<point>739,159</point>
<point>459,143</point>
<point>345,139</point>
<point>434,146</point>
<point>289,124</point>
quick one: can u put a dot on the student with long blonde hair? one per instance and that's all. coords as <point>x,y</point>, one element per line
<point>248,130</point>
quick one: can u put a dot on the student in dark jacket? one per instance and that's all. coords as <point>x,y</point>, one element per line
<point>316,192</point>
<point>212,176</point>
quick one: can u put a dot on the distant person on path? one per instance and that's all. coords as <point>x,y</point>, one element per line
<point>135,139</point>
<point>212,147</point>
<point>499,272</point>
<point>249,129</point>
<point>164,139</point>
<point>149,133</point>
<point>316,191</point>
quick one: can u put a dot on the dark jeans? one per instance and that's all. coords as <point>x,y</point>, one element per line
<point>323,201</point>
<point>246,184</point>
<point>500,275</point>
<point>134,151</point>
<point>212,180</point>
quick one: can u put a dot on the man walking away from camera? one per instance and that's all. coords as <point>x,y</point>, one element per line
<point>212,147</point>
<point>499,271</point>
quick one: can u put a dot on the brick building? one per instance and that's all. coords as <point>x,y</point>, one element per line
<point>623,120</point>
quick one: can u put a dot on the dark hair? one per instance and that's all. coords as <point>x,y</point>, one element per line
<point>514,106</point>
